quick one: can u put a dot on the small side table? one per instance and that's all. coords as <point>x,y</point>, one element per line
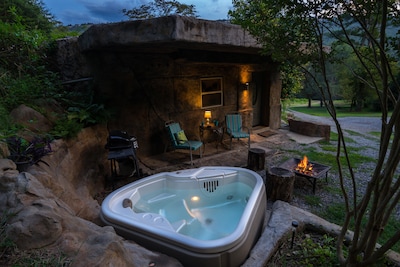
<point>217,133</point>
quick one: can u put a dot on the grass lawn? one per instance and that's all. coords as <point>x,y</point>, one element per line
<point>342,109</point>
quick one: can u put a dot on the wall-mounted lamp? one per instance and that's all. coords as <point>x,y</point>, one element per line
<point>207,115</point>
<point>246,86</point>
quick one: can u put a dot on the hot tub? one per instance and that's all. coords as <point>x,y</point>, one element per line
<point>209,216</point>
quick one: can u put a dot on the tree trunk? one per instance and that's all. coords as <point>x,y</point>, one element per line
<point>280,183</point>
<point>256,159</point>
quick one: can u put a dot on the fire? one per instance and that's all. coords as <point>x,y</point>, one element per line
<point>304,166</point>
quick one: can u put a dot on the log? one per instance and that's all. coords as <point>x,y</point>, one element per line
<point>256,159</point>
<point>280,183</point>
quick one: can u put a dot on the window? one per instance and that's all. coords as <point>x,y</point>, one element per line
<point>211,92</point>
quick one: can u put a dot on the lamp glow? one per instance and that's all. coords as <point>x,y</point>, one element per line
<point>207,115</point>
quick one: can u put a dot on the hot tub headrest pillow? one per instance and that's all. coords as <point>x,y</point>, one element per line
<point>181,137</point>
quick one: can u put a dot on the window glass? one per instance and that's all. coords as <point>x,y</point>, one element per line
<point>211,92</point>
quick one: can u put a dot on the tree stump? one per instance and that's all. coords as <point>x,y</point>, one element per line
<point>280,183</point>
<point>256,159</point>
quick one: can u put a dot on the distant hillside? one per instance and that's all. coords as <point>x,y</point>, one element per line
<point>79,28</point>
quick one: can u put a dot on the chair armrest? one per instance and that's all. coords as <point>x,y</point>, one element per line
<point>244,127</point>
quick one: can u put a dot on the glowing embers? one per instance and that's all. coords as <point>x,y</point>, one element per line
<point>305,167</point>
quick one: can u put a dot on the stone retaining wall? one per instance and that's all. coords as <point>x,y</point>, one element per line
<point>310,128</point>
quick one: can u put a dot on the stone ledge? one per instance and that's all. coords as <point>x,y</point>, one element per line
<point>310,128</point>
<point>278,226</point>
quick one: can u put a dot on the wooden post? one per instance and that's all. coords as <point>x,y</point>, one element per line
<point>256,159</point>
<point>280,183</point>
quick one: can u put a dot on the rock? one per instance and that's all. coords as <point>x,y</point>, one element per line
<point>75,171</point>
<point>52,205</point>
<point>30,119</point>
<point>42,220</point>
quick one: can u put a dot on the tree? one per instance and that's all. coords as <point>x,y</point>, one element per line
<point>32,13</point>
<point>159,8</point>
<point>294,31</point>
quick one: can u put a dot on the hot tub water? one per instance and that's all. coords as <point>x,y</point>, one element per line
<point>203,216</point>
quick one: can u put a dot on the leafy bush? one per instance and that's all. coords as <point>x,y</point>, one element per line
<point>27,76</point>
<point>27,152</point>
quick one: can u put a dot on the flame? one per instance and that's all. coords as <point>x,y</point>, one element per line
<point>304,166</point>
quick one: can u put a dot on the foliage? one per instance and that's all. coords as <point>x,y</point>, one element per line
<point>336,212</point>
<point>61,31</point>
<point>159,8</point>
<point>5,241</point>
<point>81,110</point>
<point>32,14</point>
<point>27,73</point>
<point>295,31</point>
<point>41,257</point>
<point>21,48</point>
<point>22,150</point>
<point>66,128</point>
<point>309,249</point>
<point>292,81</point>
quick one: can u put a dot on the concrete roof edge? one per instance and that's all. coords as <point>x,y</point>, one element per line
<point>167,29</point>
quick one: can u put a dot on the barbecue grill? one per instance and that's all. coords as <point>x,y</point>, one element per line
<point>121,147</point>
<point>318,170</point>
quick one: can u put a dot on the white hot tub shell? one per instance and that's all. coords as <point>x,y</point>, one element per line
<point>209,216</point>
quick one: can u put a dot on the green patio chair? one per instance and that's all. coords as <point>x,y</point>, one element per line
<point>179,140</point>
<point>235,129</point>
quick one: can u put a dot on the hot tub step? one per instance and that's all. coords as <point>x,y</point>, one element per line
<point>161,197</point>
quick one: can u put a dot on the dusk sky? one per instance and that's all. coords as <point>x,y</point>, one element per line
<point>102,11</point>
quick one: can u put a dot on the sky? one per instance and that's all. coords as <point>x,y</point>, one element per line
<point>103,11</point>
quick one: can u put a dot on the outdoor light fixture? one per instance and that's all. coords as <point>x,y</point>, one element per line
<point>246,86</point>
<point>207,115</point>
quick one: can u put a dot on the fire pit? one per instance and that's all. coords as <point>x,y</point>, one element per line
<point>304,168</point>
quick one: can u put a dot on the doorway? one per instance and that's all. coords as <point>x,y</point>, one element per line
<point>259,98</point>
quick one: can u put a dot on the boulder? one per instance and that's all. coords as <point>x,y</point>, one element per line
<point>52,206</point>
<point>30,119</point>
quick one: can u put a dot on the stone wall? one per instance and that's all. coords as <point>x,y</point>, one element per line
<point>310,128</point>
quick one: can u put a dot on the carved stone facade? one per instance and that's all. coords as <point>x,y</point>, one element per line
<point>150,71</point>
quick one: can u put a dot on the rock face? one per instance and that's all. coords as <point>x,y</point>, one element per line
<point>54,207</point>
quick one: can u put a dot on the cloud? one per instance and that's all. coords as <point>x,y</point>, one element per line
<point>107,11</point>
<point>211,9</point>
<point>103,11</point>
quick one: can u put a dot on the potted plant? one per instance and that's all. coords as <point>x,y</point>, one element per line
<point>25,153</point>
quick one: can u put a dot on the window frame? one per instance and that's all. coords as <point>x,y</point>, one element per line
<point>204,92</point>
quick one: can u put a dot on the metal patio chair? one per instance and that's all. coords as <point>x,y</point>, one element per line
<point>179,140</point>
<point>235,129</point>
